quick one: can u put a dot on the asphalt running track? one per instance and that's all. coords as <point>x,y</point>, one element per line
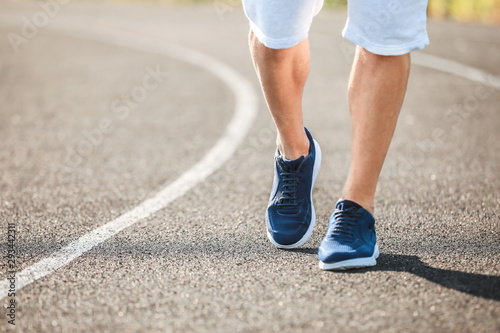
<point>135,168</point>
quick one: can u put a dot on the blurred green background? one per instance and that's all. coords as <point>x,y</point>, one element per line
<point>485,11</point>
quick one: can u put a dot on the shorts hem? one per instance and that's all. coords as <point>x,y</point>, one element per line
<point>387,50</point>
<point>283,43</point>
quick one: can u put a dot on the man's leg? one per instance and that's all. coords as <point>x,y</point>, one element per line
<point>283,74</point>
<point>376,91</point>
<point>377,87</point>
<point>290,216</point>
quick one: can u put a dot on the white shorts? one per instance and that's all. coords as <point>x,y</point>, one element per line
<point>384,27</point>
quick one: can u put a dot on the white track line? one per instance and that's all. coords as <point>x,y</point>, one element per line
<point>237,129</point>
<point>455,68</point>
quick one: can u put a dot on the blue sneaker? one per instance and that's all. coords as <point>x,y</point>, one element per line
<point>290,215</point>
<point>350,241</point>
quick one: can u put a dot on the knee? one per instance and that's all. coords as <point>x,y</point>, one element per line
<point>261,51</point>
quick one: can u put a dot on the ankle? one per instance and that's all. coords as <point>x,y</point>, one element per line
<point>293,148</point>
<point>293,153</point>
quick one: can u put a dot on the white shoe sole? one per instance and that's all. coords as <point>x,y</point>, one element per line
<point>317,164</point>
<point>352,263</point>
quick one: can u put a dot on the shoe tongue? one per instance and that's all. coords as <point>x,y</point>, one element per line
<point>292,165</point>
<point>346,204</point>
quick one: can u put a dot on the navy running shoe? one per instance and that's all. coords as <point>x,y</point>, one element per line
<point>350,241</point>
<point>290,215</point>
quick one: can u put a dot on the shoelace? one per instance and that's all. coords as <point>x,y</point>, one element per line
<point>289,193</point>
<point>344,224</point>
